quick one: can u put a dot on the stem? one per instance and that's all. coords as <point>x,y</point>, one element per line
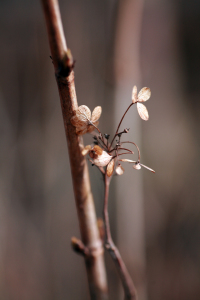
<point>127,142</point>
<point>84,200</point>
<point>120,123</point>
<point>128,286</point>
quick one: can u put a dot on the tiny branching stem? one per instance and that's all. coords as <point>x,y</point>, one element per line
<point>120,123</point>
<point>128,286</point>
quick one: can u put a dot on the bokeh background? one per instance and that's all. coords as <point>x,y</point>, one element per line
<point>155,219</point>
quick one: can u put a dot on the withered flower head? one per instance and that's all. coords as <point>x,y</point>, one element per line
<point>99,157</point>
<point>83,120</point>
<point>143,96</point>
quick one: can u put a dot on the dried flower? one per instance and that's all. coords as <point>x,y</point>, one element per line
<point>99,157</point>
<point>143,96</point>
<point>137,165</point>
<point>83,120</point>
<point>119,169</point>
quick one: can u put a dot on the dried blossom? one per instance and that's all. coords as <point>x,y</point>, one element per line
<point>137,165</point>
<point>99,157</point>
<point>119,169</point>
<point>142,96</point>
<point>84,121</point>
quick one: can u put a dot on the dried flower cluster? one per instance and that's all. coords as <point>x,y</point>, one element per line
<point>103,153</point>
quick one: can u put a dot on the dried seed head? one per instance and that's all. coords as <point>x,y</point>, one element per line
<point>143,112</point>
<point>86,150</point>
<point>119,170</point>
<point>144,94</point>
<point>110,168</point>
<point>137,166</point>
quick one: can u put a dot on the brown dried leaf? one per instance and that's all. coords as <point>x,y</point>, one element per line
<point>83,113</point>
<point>137,166</point>
<point>134,94</point>
<point>148,168</point>
<point>142,111</point>
<point>144,94</point>
<point>96,114</point>
<point>86,150</point>
<point>119,170</point>
<point>110,168</point>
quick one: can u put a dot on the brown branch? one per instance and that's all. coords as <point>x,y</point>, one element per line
<point>63,65</point>
<point>128,286</point>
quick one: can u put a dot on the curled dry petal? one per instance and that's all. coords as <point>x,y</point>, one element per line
<point>137,166</point>
<point>144,94</point>
<point>148,168</point>
<point>134,94</point>
<point>110,168</point>
<point>86,150</point>
<point>96,114</point>
<point>119,170</point>
<point>102,160</point>
<point>143,112</point>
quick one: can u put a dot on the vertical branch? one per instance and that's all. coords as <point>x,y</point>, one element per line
<point>128,286</point>
<point>63,65</point>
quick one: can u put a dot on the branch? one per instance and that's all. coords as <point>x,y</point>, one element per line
<point>63,65</point>
<point>128,286</point>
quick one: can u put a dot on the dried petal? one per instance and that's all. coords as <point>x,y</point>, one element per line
<point>134,94</point>
<point>102,160</point>
<point>119,170</point>
<point>148,168</point>
<point>80,131</point>
<point>137,166</point>
<point>86,150</point>
<point>76,122</point>
<point>110,168</point>
<point>83,113</point>
<point>144,94</point>
<point>128,160</point>
<point>96,114</point>
<point>142,111</point>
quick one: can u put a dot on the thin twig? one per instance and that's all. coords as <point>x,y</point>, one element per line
<point>63,65</point>
<point>129,288</point>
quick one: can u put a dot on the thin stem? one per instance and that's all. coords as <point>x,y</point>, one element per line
<point>120,123</point>
<point>128,286</point>
<point>81,183</point>
<point>127,142</point>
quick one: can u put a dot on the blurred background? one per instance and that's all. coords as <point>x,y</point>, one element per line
<point>155,219</point>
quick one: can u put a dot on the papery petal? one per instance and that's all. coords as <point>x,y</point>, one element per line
<point>92,128</point>
<point>81,131</point>
<point>86,150</point>
<point>134,94</point>
<point>144,94</point>
<point>110,168</point>
<point>119,170</point>
<point>102,160</point>
<point>142,111</point>
<point>137,166</point>
<point>96,114</point>
<point>83,113</point>
<point>148,168</point>
<point>76,122</point>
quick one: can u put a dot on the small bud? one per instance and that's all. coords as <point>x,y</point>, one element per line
<point>137,166</point>
<point>106,135</point>
<point>126,130</point>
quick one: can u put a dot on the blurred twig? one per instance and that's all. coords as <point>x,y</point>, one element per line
<point>63,64</point>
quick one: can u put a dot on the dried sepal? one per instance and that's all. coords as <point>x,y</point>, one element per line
<point>144,94</point>
<point>110,168</point>
<point>83,113</point>
<point>142,111</point>
<point>119,170</point>
<point>148,168</point>
<point>136,166</point>
<point>86,150</point>
<point>96,114</point>
<point>134,94</point>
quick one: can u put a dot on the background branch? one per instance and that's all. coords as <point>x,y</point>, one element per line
<point>63,65</point>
